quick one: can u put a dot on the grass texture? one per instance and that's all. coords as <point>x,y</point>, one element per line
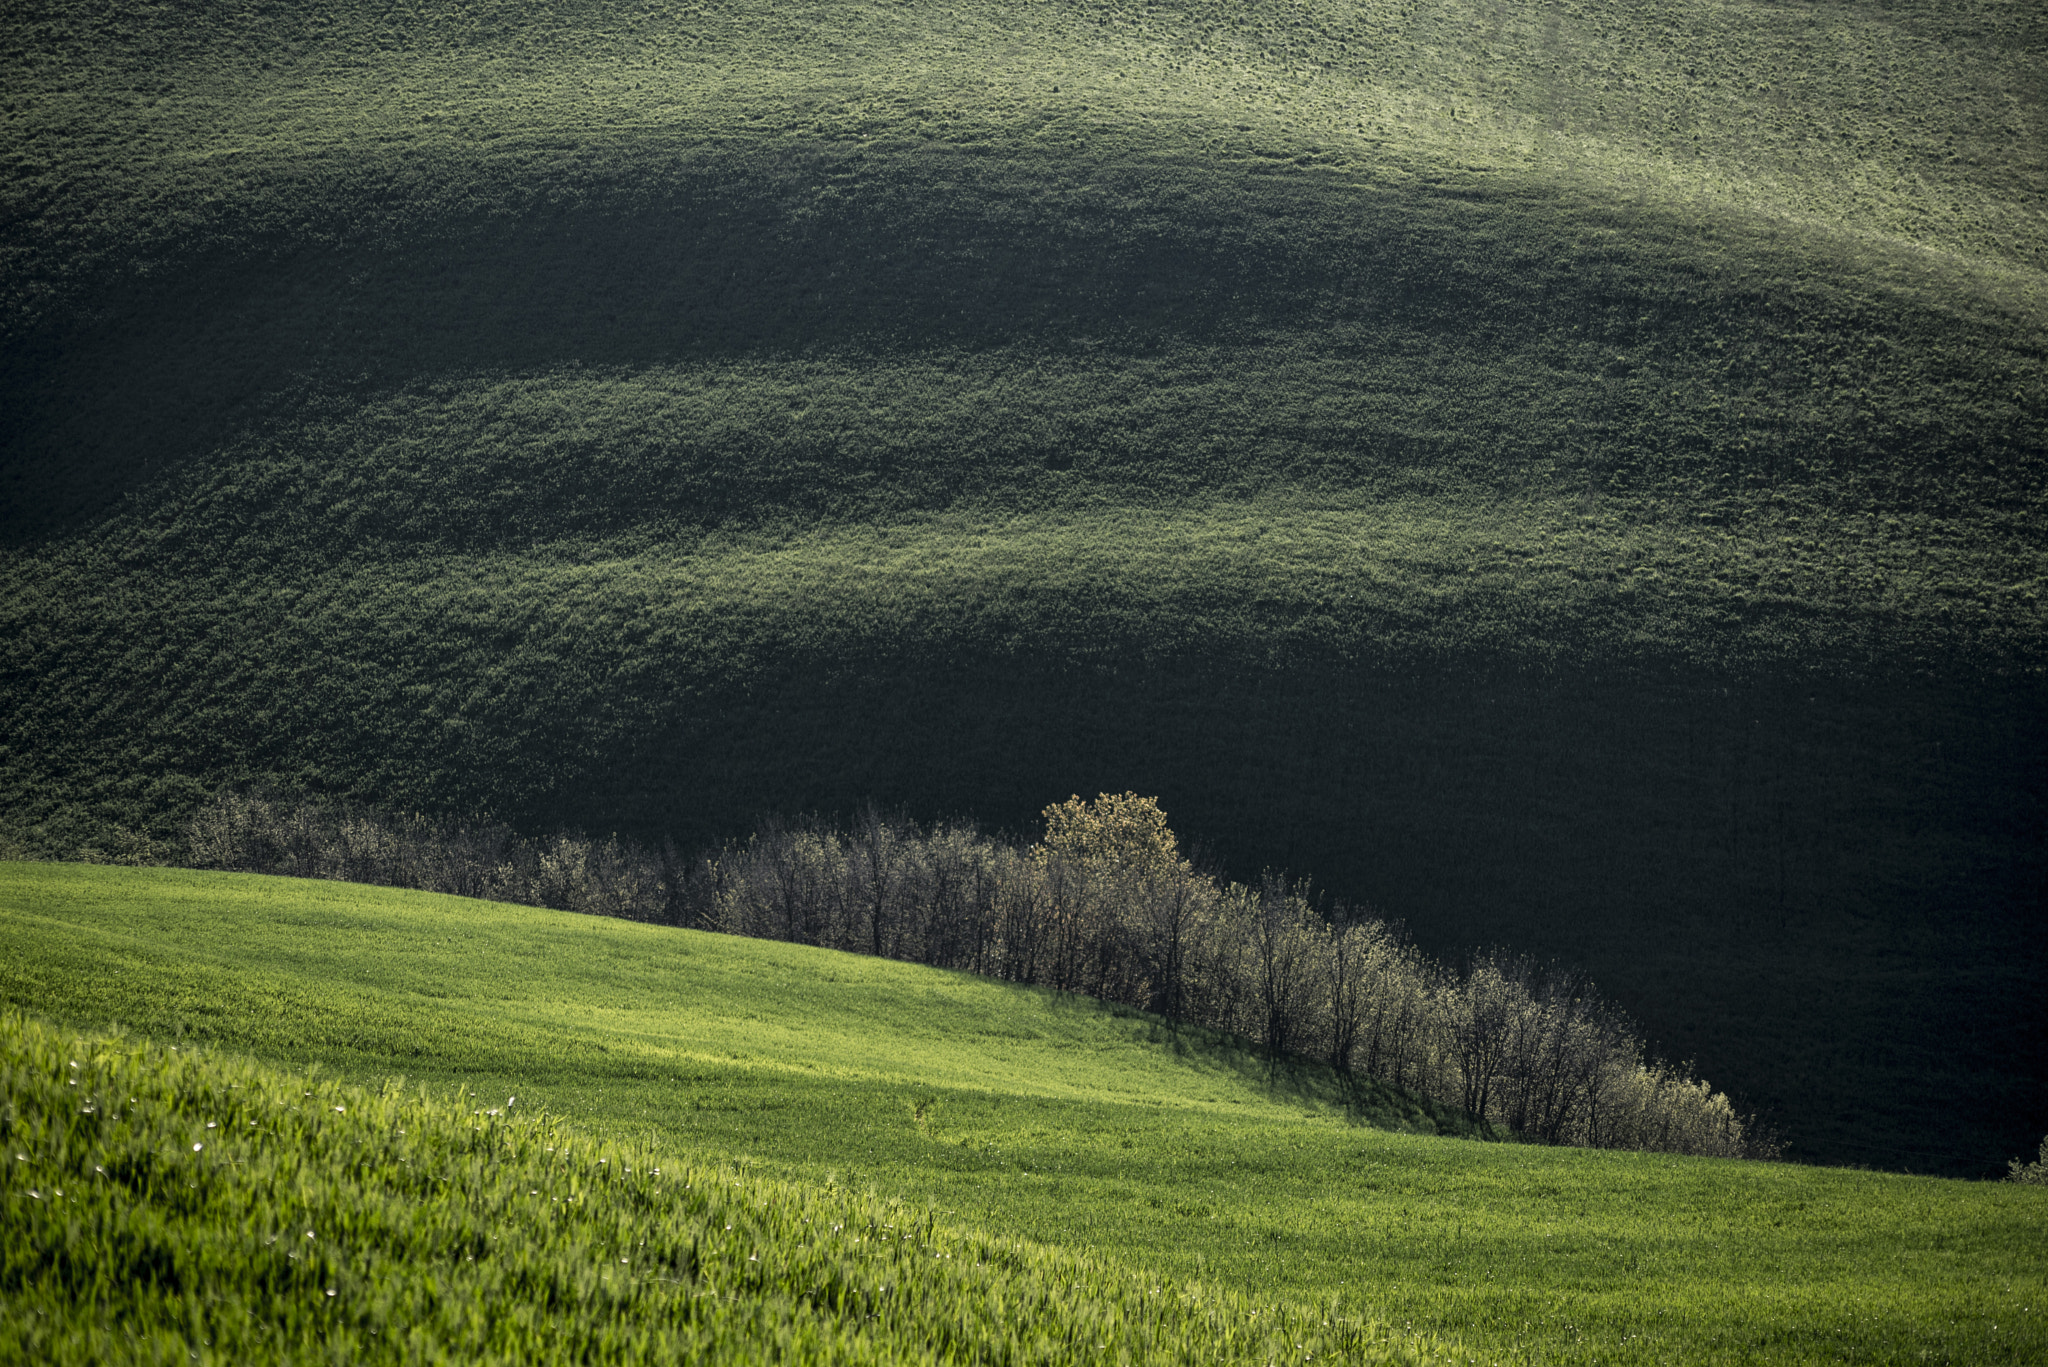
<point>1569,476</point>
<point>992,1111</point>
<point>167,1203</point>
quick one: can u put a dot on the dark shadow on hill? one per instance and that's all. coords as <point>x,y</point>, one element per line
<point>1822,892</point>
<point>1365,1101</point>
<point>1292,1080</point>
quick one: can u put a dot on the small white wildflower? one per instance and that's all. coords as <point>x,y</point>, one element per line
<point>337,1111</point>
<point>197,1147</point>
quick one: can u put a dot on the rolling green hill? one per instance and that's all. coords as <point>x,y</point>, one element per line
<point>330,1222</point>
<point>986,1112</point>
<point>1567,475</point>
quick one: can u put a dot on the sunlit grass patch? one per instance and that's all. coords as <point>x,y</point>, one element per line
<point>163,1202</point>
<point>1024,1115</point>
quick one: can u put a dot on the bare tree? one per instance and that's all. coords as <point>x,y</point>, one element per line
<point>1484,1014</point>
<point>1281,940</point>
<point>1105,905</point>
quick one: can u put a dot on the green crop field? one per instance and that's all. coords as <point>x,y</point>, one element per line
<point>991,1113</point>
<point>1567,475</point>
<point>311,1222</point>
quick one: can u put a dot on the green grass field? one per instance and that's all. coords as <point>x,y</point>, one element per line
<point>1008,1114</point>
<point>323,1222</point>
<point>1564,476</point>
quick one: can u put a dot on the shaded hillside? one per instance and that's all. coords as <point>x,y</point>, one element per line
<point>1566,478</point>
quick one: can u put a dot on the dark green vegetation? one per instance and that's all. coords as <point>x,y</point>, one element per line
<point>1566,475</point>
<point>1032,1115</point>
<point>163,1204</point>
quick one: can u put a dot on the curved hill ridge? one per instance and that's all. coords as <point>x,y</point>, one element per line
<point>1568,476</point>
<point>1913,122</point>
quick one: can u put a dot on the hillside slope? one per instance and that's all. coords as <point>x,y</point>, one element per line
<point>1567,476</point>
<point>1008,1113</point>
<point>436,1231</point>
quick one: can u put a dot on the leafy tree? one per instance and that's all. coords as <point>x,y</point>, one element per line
<point>2034,1174</point>
<point>1123,831</point>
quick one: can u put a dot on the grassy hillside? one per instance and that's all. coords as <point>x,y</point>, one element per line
<point>1022,1114</point>
<point>433,1231</point>
<point>1567,476</point>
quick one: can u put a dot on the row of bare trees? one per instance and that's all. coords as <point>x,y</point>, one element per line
<point>1104,905</point>
<point>306,837</point>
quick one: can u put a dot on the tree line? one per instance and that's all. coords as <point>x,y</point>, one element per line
<point>1105,905</point>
